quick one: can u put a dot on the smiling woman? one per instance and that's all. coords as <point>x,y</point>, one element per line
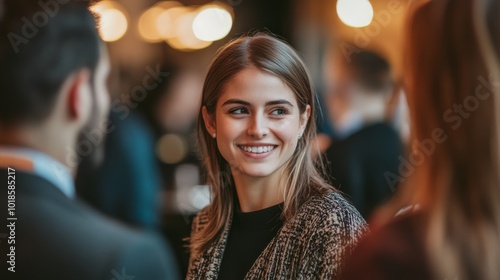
<point>272,215</point>
<point>258,123</point>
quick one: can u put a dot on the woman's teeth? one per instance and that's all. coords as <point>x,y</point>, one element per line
<point>257,150</point>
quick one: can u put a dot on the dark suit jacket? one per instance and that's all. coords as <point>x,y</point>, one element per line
<point>57,238</point>
<point>360,164</point>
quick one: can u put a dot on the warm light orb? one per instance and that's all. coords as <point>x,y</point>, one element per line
<point>184,38</point>
<point>355,13</point>
<point>165,23</point>
<point>147,25</point>
<point>113,22</point>
<point>185,27</point>
<point>171,149</point>
<point>212,23</point>
<point>156,23</point>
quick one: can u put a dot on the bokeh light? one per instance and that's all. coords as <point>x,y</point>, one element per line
<point>171,148</point>
<point>185,28</point>
<point>113,22</point>
<point>147,25</point>
<point>156,23</point>
<point>212,23</point>
<point>355,13</point>
<point>184,38</point>
<point>200,197</point>
<point>167,21</point>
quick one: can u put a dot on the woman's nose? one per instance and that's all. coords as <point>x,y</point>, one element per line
<point>258,126</point>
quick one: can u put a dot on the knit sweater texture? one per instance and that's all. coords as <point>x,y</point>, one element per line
<point>311,245</point>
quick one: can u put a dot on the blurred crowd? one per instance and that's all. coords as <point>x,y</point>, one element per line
<point>108,184</point>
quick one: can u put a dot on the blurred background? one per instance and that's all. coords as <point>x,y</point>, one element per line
<point>160,52</point>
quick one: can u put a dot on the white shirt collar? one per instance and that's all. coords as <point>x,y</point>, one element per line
<point>350,123</point>
<point>42,165</point>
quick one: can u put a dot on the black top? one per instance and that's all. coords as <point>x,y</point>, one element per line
<point>365,165</point>
<point>250,234</point>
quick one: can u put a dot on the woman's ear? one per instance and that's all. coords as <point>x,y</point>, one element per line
<point>304,118</point>
<point>209,121</point>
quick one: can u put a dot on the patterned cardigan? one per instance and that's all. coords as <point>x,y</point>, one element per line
<point>312,245</point>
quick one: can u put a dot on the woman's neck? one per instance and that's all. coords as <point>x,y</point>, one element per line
<point>256,193</point>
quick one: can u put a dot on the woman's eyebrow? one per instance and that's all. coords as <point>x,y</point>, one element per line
<point>279,102</point>
<point>236,101</point>
<point>269,103</point>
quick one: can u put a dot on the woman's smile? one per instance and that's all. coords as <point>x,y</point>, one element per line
<point>257,151</point>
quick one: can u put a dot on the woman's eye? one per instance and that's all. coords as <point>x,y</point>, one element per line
<point>279,111</point>
<point>238,111</point>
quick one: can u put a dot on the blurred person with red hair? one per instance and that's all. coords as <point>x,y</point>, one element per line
<point>451,226</point>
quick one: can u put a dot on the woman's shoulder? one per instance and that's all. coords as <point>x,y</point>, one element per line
<point>200,220</point>
<point>328,218</point>
<point>326,228</point>
<point>333,208</point>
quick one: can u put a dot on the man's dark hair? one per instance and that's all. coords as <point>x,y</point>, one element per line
<point>41,44</point>
<point>371,70</point>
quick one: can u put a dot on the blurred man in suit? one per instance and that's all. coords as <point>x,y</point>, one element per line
<point>366,145</point>
<point>53,71</point>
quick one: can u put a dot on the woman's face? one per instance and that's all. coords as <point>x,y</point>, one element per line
<point>257,123</point>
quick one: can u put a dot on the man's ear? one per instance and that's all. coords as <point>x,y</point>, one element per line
<point>79,94</point>
<point>209,121</point>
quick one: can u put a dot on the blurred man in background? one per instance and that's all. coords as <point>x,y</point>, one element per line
<point>53,72</point>
<point>366,146</point>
